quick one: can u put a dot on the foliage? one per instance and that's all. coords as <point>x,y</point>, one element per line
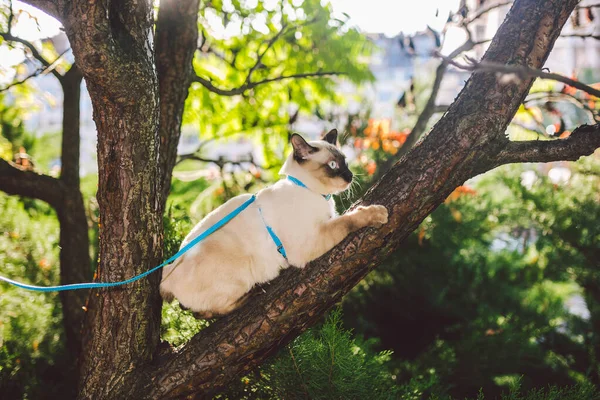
<point>479,292</point>
<point>577,392</point>
<point>244,42</point>
<point>31,339</point>
<point>325,362</point>
<point>177,326</point>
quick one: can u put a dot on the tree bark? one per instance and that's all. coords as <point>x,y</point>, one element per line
<point>112,44</point>
<point>75,263</point>
<point>176,44</point>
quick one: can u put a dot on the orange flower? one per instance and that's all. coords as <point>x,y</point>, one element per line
<point>459,191</point>
<point>565,134</point>
<point>44,264</point>
<point>371,167</point>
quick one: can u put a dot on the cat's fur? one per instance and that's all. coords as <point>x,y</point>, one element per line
<point>212,276</point>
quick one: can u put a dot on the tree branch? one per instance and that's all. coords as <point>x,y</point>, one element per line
<point>50,7</point>
<point>47,66</point>
<point>14,180</point>
<point>429,109</point>
<point>582,35</point>
<point>484,10</point>
<point>522,71</point>
<point>260,55</point>
<point>559,96</point>
<point>176,40</point>
<point>250,85</point>
<point>38,72</point>
<point>583,141</point>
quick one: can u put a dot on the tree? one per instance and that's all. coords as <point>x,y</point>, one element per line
<point>61,193</point>
<point>110,42</point>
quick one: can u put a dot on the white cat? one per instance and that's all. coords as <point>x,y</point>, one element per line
<point>211,277</point>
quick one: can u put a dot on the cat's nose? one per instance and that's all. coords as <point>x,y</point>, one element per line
<point>347,175</point>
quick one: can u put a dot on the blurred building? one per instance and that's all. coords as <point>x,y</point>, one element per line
<point>576,51</point>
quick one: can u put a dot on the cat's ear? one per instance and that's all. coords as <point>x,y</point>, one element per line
<point>331,137</point>
<point>301,148</point>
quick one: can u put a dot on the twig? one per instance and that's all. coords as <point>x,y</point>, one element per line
<point>558,96</point>
<point>250,85</point>
<point>37,72</point>
<point>34,52</point>
<point>484,10</point>
<point>582,35</point>
<point>520,70</point>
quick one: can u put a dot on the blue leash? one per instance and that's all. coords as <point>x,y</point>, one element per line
<point>182,251</point>
<point>98,285</point>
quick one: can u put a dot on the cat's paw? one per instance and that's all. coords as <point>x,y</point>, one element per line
<point>374,215</point>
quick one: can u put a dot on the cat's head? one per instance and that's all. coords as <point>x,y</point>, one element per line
<point>319,164</point>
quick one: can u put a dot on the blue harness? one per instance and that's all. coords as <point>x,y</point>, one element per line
<point>181,252</point>
<point>272,233</point>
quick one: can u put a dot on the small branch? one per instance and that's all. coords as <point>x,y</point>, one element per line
<point>247,86</point>
<point>522,71</point>
<point>48,6</point>
<point>429,109</point>
<point>14,180</point>
<point>558,97</point>
<point>582,35</point>
<point>37,72</point>
<point>35,53</point>
<point>11,16</point>
<point>583,141</point>
<point>260,56</point>
<point>484,10</point>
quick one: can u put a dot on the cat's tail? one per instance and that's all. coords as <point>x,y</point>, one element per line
<point>166,295</point>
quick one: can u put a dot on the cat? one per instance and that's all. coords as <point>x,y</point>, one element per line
<point>211,278</point>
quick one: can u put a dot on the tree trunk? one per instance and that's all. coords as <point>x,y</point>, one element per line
<point>112,43</point>
<point>176,43</point>
<point>75,265</point>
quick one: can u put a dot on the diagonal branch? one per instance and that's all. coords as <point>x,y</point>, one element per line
<point>582,36</point>
<point>522,71</point>
<point>583,141</point>
<point>14,180</point>
<point>38,72</point>
<point>484,10</point>
<point>250,85</point>
<point>430,108</point>
<point>50,7</point>
<point>260,55</point>
<point>48,66</point>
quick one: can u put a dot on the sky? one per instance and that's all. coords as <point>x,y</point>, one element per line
<point>392,16</point>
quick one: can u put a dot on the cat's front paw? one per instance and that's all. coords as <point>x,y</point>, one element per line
<point>374,215</point>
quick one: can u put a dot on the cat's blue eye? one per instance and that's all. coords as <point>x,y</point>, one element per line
<point>332,164</point>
